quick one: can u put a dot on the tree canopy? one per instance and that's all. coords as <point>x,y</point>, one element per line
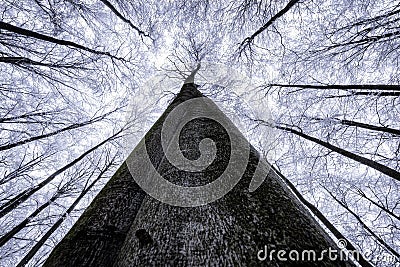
<point>78,79</point>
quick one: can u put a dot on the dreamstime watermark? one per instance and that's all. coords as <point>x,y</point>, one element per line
<point>331,254</point>
<point>152,182</point>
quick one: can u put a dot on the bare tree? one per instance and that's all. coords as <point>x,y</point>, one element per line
<point>87,187</point>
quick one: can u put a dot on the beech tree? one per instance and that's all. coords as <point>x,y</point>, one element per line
<point>73,73</point>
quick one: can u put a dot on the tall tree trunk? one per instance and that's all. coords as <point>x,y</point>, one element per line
<point>39,36</point>
<point>43,136</point>
<point>361,260</point>
<point>365,226</point>
<point>364,126</point>
<point>23,196</point>
<point>378,87</point>
<point>57,224</point>
<point>231,231</point>
<point>368,162</point>
<point>7,236</point>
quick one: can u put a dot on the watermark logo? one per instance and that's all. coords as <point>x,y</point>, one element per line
<point>152,182</point>
<point>332,254</point>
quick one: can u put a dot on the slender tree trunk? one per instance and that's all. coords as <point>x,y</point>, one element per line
<point>380,87</point>
<point>6,237</point>
<point>50,39</point>
<point>271,21</point>
<point>368,162</point>
<point>365,126</point>
<point>27,116</point>
<point>119,15</point>
<point>43,136</point>
<point>376,93</point>
<point>369,230</point>
<point>57,224</point>
<point>360,258</point>
<point>391,213</point>
<point>22,168</point>
<point>23,196</point>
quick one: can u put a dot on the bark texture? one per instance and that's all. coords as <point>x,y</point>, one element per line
<point>98,235</point>
<point>125,227</point>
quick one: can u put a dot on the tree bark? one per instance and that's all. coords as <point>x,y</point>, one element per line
<point>228,232</point>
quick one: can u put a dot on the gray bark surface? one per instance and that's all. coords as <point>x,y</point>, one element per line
<point>227,232</point>
<point>97,236</point>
